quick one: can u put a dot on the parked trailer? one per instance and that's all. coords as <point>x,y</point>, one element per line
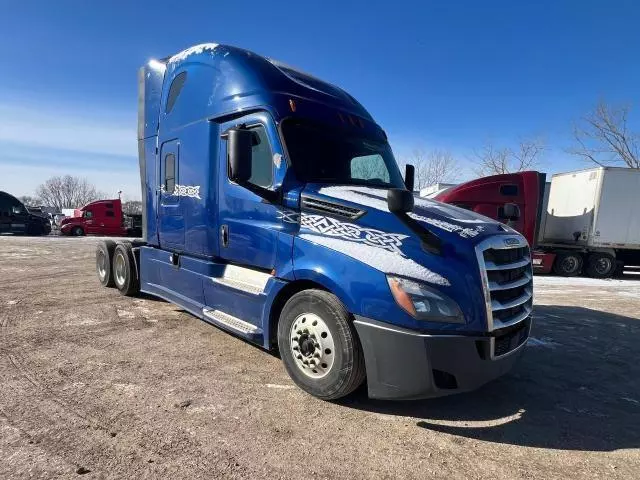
<point>591,222</point>
<point>274,209</point>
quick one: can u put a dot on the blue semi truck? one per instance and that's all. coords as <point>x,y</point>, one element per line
<point>275,210</point>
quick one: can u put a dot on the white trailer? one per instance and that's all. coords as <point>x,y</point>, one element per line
<point>591,219</point>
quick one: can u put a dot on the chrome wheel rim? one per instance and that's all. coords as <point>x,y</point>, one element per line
<point>102,265</point>
<point>570,264</point>
<point>119,269</point>
<point>603,265</point>
<point>312,345</point>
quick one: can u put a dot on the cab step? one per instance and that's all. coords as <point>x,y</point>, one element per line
<point>230,322</point>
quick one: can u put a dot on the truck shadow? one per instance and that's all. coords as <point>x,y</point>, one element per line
<point>577,387</point>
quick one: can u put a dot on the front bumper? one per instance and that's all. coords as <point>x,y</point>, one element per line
<point>402,364</point>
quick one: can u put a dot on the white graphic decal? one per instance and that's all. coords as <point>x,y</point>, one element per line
<point>192,191</point>
<point>289,216</point>
<point>464,232</point>
<point>277,159</point>
<point>350,231</point>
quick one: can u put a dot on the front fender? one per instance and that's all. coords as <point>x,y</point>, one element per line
<point>360,287</point>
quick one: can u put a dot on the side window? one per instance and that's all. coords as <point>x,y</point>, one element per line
<point>109,213</point>
<point>109,205</point>
<point>261,159</point>
<point>369,167</point>
<point>88,214</point>
<point>169,173</point>
<point>16,209</point>
<point>176,87</point>
<point>509,190</point>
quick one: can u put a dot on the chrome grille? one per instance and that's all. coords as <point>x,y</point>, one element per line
<point>505,267</point>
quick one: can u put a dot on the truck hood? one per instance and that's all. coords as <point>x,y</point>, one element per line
<point>452,224</point>
<point>355,221</point>
<point>71,221</point>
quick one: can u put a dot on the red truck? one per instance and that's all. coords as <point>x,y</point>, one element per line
<point>103,217</point>
<point>491,196</point>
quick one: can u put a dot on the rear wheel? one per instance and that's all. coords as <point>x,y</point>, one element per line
<point>124,271</point>
<point>319,345</point>
<point>104,260</point>
<point>601,265</point>
<point>568,264</point>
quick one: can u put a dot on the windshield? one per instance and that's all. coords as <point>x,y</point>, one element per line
<point>322,154</point>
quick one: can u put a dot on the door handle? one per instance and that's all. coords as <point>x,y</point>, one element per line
<point>224,235</point>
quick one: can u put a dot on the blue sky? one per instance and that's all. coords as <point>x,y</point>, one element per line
<point>447,74</point>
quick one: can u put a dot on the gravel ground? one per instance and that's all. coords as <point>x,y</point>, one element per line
<point>103,386</point>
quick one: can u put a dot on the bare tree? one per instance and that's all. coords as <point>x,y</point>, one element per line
<point>433,166</point>
<point>67,192</point>
<point>132,207</point>
<point>603,137</point>
<point>29,200</point>
<point>492,160</point>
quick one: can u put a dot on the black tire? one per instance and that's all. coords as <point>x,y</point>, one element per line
<point>601,265</point>
<point>124,270</point>
<point>347,370</point>
<point>77,231</point>
<point>568,264</point>
<point>104,261</point>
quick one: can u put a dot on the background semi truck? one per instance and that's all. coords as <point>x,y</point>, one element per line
<point>17,219</point>
<point>102,217</point>
<point>586,221</point>
<point>275,210</point>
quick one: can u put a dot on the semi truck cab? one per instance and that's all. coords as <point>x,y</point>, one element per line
<point>102,217</point>
<point>17,219</point>
<point>275,210</point>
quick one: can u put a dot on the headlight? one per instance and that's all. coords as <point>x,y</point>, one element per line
<point>424,303</point>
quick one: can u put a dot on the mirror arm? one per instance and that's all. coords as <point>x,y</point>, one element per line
<point>272,196</point>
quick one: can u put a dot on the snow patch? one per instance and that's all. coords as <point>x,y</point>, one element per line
<point>196,49</point>
<point>378,258</point>
<point>125,314</point>
<point>12,302</point>
<point>551,281</point>
<point>360,195</point>
<point>281,387</point>
<point>464,232</point>
<point>377,198</point>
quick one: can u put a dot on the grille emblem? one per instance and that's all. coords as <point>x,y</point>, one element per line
<point>511,241</point>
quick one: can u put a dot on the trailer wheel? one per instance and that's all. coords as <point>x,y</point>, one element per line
<point>319,345</point>
<point>568,264</point>
<point>104,260</point>
<point>124,271</point>
<point>600,265</point>
<point>77,231</point>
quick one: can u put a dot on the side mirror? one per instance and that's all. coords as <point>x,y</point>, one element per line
<point>239,154</point>
<point>409,177</point>
<point>399,200</point>
<point>510,211</point>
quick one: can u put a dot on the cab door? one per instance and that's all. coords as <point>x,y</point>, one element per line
<point>171,228</point>
<point>91,222</point>
<point>248,224</point>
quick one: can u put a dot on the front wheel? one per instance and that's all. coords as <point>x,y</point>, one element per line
<point>319,345</point>
<point>77,231</point>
